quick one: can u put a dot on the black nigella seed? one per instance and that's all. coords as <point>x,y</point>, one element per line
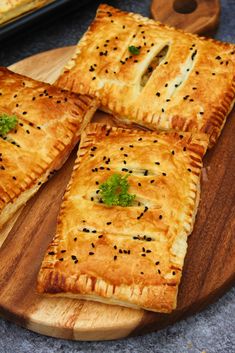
<point>148,251</point>
<point>146,172</point>
<point>92,244</point>
<point>160,217</point>
<point>63,251</point>
<point>120,251</point>
<point>173,152</point>
<point>159,271</point>
<point>100,236</point>
<point>108,223</point>
<point>158,94</point>
<point>93,231</point>
<point>164,174</point>
<point>24,113</point>
<point>131,146</point>
<point>152,181</point>
<point>140,139</point>
<point>76,261</point>
<point>61,259</point>
<point>143,255</point>
<point>184,149</point>
<point>173,273</point>
<point>91,253</point>
<point>218,57</point>
<point>14,177</point>
<point>51,253</point>
<point>115,257</point>
<point>157,263</point>
<point>189,169</point>
<point>139,184</point>
<point>74,257</point>
<point>115,247</point>
<point>122,148</point>
<point>157,163</point>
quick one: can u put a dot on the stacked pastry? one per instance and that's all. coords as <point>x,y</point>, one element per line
<point>132,199</point>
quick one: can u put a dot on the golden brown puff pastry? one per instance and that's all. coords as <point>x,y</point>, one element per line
<point>10,9</point>
<point>50,121</point>
<point>177,81</point>
<point>131,256</point>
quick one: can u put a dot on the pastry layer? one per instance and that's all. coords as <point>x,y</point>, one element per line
<point>10,9</point>
<point>175,81</point>
<point>50,121</point>
<point>134,255</point>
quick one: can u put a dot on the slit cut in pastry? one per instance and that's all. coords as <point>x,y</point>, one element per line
<point>10,9</point>
<point>131,256</point>
<point>173,81</point>
<point>50,121</point>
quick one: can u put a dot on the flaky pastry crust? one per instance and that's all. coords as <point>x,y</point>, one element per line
<point>50,121</point>
<point>134,255</point>
<point>178,81</point>
<point>10,9</point>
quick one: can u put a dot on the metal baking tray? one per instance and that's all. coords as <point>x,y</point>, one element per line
<point>58,7</point>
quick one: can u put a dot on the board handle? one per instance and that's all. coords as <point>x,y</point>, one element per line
<point>195,16</point>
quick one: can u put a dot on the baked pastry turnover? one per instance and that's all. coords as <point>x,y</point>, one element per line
<point>49,124</point>
<point>131,256</point>
<point>149,74</point>
<point>10,9</point>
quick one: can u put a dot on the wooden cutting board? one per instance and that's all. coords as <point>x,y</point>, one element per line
<point>209,266</point>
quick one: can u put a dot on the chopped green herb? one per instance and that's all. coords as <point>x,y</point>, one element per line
<point>114,191</point>
<point>134,50</point>
<point>7,123</point>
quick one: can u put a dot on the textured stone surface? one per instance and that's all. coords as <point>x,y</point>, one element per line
<point>213,330</point>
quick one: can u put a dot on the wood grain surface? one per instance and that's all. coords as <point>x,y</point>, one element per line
<point>209,265</point>
<point>196,16</point>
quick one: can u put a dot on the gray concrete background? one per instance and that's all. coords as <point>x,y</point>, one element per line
<point>211,331</point>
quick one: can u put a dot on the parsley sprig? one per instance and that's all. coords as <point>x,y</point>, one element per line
<point>134,50</point>
<point>114,191</point>
<point>7,123</point>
